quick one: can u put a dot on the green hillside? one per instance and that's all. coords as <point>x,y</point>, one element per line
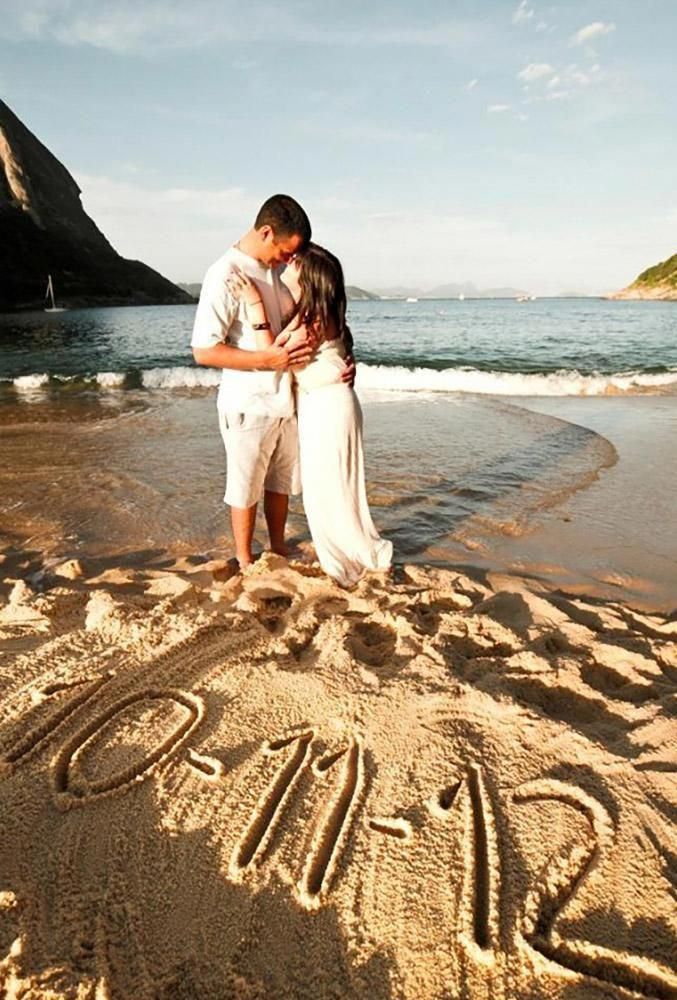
<point>664,273</point>
<point>657,282</point>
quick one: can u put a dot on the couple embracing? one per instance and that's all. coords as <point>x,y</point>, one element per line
<point>288,414</point>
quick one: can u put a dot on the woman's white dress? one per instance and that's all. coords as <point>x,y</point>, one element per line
<point>332,469</point>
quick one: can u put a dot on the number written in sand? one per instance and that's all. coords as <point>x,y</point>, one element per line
<point>70,792</point>
<point>36,735</point>
<point>485,861</point>
<point>335,823</point>
<point>481,857</point>
<point>269,809</point>
<point>561,880</point>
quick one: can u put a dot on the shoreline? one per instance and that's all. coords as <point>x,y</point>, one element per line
<point>547,484</point>
<point>615,537</point>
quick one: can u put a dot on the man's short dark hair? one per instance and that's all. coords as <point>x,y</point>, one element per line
<point>285,217</point>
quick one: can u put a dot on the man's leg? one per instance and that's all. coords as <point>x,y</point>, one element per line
<point>275,506</point>
<point>250,441</point>
<point>243,520</point>
<point>282,478</point>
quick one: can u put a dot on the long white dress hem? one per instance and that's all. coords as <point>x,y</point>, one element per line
<point>332,471</point>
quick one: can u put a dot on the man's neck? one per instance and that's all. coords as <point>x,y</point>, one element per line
<point>249,245</point>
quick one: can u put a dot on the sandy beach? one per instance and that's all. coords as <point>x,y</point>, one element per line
<point>455,778</point>
<point>262,786</point>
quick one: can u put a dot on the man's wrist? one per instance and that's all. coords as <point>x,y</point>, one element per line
<point>267,358</point>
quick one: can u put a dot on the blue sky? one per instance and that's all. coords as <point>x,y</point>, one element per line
<point>504,143</point>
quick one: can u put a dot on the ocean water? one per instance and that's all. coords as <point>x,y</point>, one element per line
<point>548,347</point>
<point>110,445</point>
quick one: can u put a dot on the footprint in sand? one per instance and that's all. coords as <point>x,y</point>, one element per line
<point>371,643</point>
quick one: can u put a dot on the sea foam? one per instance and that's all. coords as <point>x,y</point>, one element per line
<point>560,383</point>
<point>398,379</point>
<point>28,382</point>
<point>111,380</point>
<point>179,378</point>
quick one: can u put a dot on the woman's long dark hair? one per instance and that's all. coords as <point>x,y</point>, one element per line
<point>323,293</point>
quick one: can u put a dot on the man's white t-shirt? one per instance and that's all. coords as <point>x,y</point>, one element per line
<point>221,319</point>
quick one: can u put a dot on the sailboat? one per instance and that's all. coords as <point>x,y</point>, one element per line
<point>49,294</point>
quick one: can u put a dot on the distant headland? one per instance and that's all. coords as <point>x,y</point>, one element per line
<point>657,282</point>
<point>357,294</point>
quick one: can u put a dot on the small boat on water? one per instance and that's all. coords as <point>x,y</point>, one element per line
<point>461,297</point>
<point>410,299</point>
<point>49,294</point>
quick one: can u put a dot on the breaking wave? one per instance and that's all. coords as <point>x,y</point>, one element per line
<point>498,383</point>
<point>386,378</point>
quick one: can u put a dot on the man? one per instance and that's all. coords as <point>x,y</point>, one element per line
<point>255,401</point>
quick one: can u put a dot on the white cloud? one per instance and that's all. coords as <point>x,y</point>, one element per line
<point>565,83</point>
<point>119,26</point>
<point>522,13</point>
<point>581,78</point>
<point>150,26</point>
<point>179,231</point>
<point>497,109</point>
<point>590,31</point>
<point>574,76</point>
<point>471,84</point>
<point>534,71</point>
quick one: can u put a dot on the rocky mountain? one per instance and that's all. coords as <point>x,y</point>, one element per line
<point>657,282</point>
<point>355,294</point>
<point>45,230</point>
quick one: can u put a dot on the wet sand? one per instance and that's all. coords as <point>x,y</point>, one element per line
<point>577,491</point>
<point>451,480</point>
<point>617,538</point>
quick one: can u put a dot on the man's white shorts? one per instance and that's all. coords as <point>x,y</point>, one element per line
<point>261,454</point>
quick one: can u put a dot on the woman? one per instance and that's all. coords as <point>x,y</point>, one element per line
<point>329,415</point>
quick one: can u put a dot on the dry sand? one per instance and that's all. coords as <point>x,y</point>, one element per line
<point>264,786</point>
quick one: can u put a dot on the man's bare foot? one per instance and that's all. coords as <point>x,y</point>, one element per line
<point>280,550</point>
